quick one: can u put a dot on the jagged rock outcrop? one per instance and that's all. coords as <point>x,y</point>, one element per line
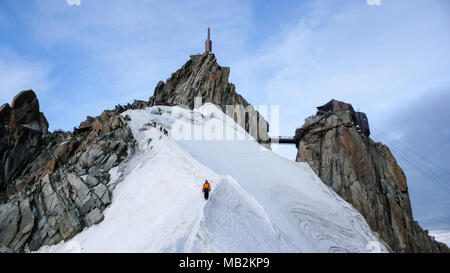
<point>22,127</point>
<point>366,175</point>
<point>54,184</point>
<point>202,77</point>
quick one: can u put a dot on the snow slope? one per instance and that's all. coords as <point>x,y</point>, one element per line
<point>260,202</point>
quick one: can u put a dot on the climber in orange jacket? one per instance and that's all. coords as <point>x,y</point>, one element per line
<point>206,189</point>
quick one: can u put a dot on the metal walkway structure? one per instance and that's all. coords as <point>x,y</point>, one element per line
<point>280,140</point>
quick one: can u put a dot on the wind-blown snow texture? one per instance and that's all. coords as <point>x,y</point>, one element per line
<point>260,202</point>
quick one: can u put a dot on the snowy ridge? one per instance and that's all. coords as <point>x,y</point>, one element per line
<point>260,202</point>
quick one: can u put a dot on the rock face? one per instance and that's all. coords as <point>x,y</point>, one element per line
<point>22,125</point>
<point>54,184</point>
<point>366,175</point>
<point>202,77</point>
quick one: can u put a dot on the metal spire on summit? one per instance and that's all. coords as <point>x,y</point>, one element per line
<point>208,43</point>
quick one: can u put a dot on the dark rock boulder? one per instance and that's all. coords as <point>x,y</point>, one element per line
<point>25,113</point>
<point>21,128</point>
<point>5,111</point>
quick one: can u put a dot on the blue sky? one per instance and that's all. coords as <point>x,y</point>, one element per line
<point>391,61</point>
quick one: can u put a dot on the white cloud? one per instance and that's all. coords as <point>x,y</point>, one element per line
<point>126,47</point>
<point>18,73</point>
<point>351,52</point>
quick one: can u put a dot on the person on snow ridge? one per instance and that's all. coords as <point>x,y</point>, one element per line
<point>206,189</point>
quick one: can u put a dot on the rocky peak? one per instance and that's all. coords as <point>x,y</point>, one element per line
<point>202,77</point>
<point>365,174</point>
<point>25,113</point>
<point>22,126</point>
